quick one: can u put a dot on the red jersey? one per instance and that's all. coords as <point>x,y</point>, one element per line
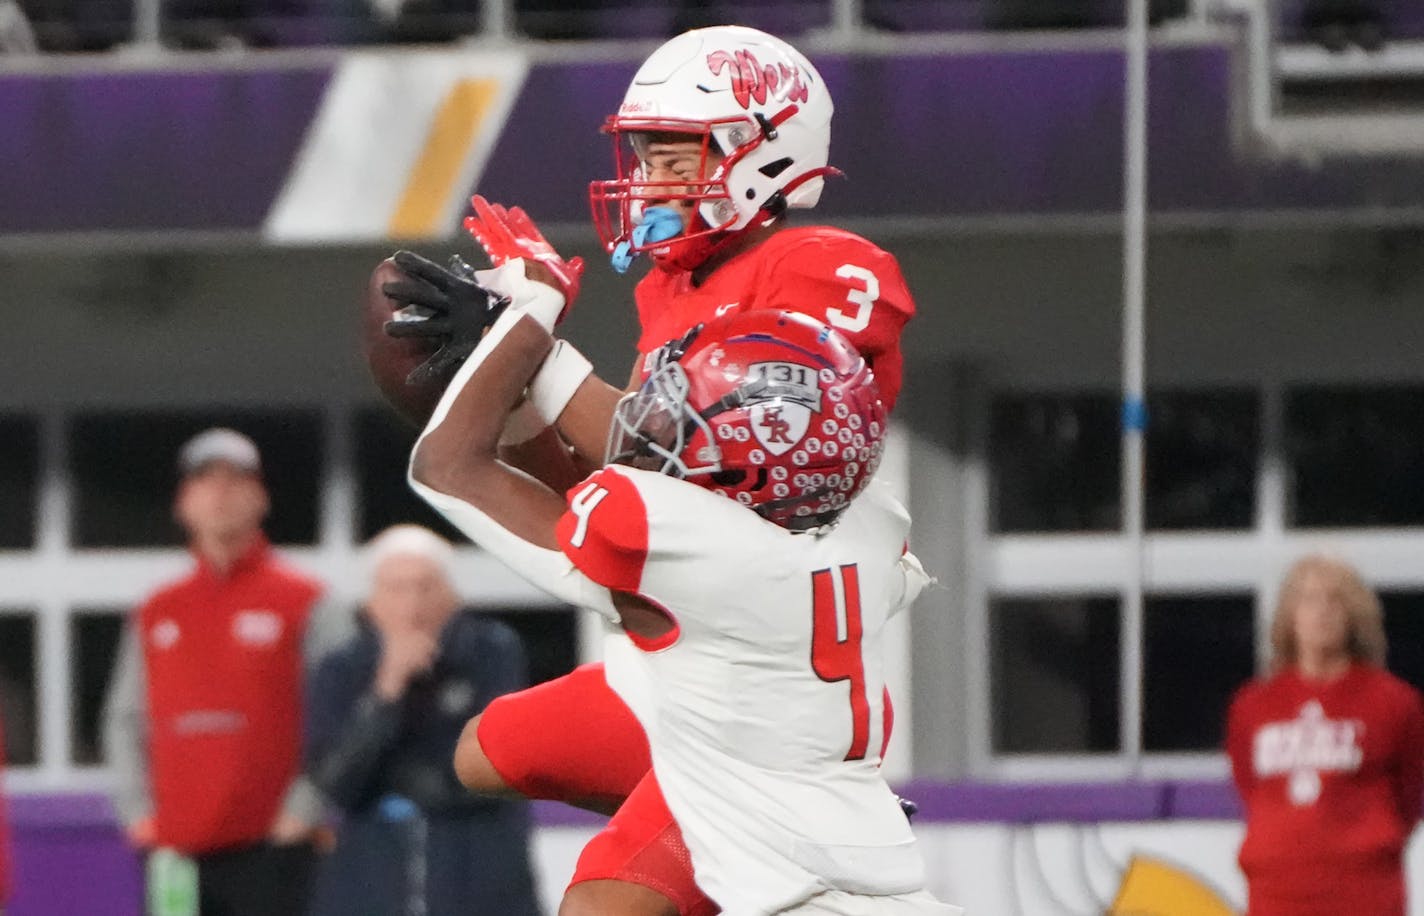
<point>1331,776</point>
<point>829,274</point>
<point>223,656</point>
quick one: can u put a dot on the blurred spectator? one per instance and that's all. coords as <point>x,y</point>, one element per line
<point>1327,752</point>
<point>387,711</point>
<point>204,718</point>
<point>1337,24</point>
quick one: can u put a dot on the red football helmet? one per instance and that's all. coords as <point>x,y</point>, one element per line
<point>773,409</point>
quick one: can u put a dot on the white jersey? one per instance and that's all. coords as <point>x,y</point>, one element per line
<point>764,708</point>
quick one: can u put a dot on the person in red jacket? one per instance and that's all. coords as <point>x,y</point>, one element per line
<point>204,719</point>
<point>1327,752</point>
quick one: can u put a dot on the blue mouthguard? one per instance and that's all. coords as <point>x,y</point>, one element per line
<point>659,224</point>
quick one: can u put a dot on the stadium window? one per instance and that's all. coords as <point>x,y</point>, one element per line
<point>1404,628</point>
<point>94,636</point>
<point>1054,463</point>
<point>1203,448</point>
<point>1054,674</point>
<point>1197,651</point>
<point>124,471</point>
<point>383,443</point>
<point>19,481</point>
<point>1355,456</point>
<point>550,637</point>
<point>18,707</point>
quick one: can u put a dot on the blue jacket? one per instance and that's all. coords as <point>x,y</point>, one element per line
<point>412,839</point>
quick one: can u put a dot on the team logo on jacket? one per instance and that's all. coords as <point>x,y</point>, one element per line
<point>781,412</point>
<point>256,628</point>
<point>164,633</point>
<point>1305,747</point>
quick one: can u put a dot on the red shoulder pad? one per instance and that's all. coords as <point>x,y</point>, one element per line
<point>605,531</point>
<point>855,287</point>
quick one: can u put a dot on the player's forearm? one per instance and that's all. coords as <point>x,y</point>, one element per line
<point>545,457</point>
<point>584,423</point>
<point>460,445</point>
<point>454,466</point>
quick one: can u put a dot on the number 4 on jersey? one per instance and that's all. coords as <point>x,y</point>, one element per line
<point>582,506</point>
<point>836,633</point>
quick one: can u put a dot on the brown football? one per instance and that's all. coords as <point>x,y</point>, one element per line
<point>391,359</point>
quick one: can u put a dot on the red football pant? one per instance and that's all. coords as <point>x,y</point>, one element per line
<point>569,739</point>
<point>643,845</point>
<point>572,739</point>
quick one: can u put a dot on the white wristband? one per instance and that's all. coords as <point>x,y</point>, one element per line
<point>553,386</point>
<point>539,301</point>
<point>522,424</point>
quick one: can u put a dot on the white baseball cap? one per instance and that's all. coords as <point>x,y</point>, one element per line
<point>219,444</point>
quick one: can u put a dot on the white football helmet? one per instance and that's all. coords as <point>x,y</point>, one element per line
<point>747,95</point>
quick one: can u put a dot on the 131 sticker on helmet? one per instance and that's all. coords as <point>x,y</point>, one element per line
<point>780,418</point>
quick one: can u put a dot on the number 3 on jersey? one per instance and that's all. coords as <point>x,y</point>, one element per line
<point>862,299</point>
<point>836,633</point>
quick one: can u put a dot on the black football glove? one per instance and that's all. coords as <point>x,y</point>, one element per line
<point>909,808</point>
<point>462,311</point>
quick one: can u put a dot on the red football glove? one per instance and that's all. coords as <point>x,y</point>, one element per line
<point>508,234</point>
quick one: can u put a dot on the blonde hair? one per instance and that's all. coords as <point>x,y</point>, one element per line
<point>1366,643</point>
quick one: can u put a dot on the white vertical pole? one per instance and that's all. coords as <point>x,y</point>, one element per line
<point>1134,409</point>
<point>498,19</point>
<point>148,19</point>
<point>846,18</point>
<point>53,538</point>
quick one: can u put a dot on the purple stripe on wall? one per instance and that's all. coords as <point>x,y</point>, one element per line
<point>551,148</point>
<point>69,857</point>
<point>1029,803</point>
<point>947,802</point>
<point>150,151</point>
<point>975,134</point>
<point>1202,800</point>
<point>918,134</point>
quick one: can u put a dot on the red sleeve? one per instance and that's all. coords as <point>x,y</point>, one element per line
<point>605,531</point>
<point>855,287</point>
<point>1409,760</point>
<point>1239,729</point>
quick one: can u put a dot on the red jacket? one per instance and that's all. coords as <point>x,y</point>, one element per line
<point>223,656</point>
<point>829,274</point>
<point>1331,776</point>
